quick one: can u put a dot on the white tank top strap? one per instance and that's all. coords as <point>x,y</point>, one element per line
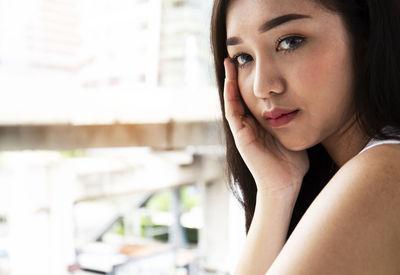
<point>376,142</point>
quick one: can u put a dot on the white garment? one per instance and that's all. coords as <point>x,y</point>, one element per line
<point>374,142</point>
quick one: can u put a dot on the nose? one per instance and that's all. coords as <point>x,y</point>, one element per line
<point>268,81</point>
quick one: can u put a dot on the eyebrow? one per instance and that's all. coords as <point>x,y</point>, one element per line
<point>270,24</point>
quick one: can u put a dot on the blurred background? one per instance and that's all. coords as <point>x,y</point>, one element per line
<point>111,148</point>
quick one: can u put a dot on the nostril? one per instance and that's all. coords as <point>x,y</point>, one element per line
<point>273,92</point>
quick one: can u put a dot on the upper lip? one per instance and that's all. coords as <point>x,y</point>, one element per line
<point>276,113</point>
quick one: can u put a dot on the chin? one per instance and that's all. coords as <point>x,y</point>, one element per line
<point>296,145</point>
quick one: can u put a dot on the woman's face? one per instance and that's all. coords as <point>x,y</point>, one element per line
<point>294,72</point>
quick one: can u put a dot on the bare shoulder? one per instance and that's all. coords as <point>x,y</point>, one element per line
<point>378,163</point>
<point>353,226</point>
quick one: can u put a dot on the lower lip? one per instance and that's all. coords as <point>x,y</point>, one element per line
<point>283,120</point>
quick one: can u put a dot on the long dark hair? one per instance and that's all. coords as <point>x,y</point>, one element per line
<point>374,30</point>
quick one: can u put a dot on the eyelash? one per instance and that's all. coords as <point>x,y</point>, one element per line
<point>280,40</point>
<point>290,37</point>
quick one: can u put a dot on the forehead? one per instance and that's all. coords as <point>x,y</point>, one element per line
<point>246,12</point>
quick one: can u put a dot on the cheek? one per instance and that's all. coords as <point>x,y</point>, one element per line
<point>327,77</point>
<point>245,84</point>
<point>318,72</point>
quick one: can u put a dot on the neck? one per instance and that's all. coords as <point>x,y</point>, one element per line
<point>345,144</point>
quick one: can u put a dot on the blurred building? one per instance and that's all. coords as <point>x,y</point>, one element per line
<point>124,44</point>
<point>185,49</point>
<point>106,73</point>
<point>52,37</point>
<point>39,45</point>
<point>145,43</point>
<point>121,43</point>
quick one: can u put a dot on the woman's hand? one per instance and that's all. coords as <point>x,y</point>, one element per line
<point>275,169</point>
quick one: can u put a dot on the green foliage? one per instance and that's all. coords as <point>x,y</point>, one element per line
<point>160,201</point>
<point>146,223</point>
<point>161,237</point>
<point>119,227</point>
<point>192,235</point>
<point>190,197</point>
<point>73,153</point>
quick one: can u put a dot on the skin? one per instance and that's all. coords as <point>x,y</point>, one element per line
<point>352,227</point>
<point>315,78</point>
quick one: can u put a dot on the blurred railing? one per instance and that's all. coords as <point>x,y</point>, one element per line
<point>161,119</point>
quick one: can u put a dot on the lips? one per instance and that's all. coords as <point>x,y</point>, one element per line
<point>277,113</point>
<point>279,117</point>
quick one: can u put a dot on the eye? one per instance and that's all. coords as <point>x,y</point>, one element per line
<point>290,43</point>
<point>242,59</point>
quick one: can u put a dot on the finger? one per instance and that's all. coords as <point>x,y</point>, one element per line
<point>231,80</point>
<point>230,69</point>
<point>248,133</point>
<point>254,131</point>
<point>234,109</point>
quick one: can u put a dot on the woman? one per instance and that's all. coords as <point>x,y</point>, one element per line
<point>309,89</point>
